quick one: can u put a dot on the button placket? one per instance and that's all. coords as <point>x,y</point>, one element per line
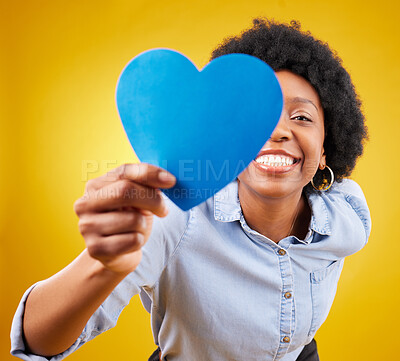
<point>287,309</point>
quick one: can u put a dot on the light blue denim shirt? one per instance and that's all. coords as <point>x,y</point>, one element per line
<point>218,290</point>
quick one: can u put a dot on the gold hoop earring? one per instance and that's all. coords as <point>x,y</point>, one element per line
<point>325,186</point>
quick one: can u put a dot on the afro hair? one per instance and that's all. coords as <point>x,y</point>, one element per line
<point>286,46</point>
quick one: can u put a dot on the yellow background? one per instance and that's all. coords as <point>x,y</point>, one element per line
<point>60,61</point>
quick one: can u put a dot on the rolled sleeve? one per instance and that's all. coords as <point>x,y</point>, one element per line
<point>104,318</point>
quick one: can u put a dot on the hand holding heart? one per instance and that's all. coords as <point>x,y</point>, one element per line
<point>194,124</point>
<point>116,213</point>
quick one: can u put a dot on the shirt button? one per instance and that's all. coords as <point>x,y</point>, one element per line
<point>286,339</point>
<point>282,252</point>
<point>288,295</point>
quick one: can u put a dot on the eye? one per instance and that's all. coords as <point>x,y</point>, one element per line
<point>302,118</point>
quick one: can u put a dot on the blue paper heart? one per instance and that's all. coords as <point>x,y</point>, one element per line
<point>203,127</point>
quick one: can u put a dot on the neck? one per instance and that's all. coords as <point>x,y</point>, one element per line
<point>275,218</point>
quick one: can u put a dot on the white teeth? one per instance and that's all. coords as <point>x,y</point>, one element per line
<point>275,161</point>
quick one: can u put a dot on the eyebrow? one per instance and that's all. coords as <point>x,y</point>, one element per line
<point>302,100</point>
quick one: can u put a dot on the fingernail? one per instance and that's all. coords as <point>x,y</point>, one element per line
<point>165,177</point>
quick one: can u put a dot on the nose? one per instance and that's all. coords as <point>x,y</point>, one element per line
<point>282,131</point>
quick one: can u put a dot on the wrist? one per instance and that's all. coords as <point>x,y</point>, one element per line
<point>117,268</point>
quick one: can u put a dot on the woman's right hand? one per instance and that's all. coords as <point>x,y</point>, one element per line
<point>116,213</point>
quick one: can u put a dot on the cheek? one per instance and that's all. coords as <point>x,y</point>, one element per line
<point>312,160</point>
<point>313,146</point>
<point>310,169</point>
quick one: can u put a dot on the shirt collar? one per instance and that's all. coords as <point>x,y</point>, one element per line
<point>227,208</point>
<point>226,204</point>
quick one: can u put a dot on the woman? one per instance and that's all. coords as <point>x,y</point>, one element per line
<point>249,274</point>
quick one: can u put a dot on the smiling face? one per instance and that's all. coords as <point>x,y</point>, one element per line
<point>290,158</point>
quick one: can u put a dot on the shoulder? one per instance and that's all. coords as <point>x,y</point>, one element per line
<point>351,193</point>
<point>341,217</point>
<point>347,187</point>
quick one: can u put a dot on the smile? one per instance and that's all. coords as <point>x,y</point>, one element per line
<point>275,160</point>
<point>275,163</point>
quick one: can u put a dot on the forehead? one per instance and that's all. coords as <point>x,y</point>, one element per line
<point>296,87</point>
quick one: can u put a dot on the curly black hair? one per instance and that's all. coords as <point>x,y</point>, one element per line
<point>286,46</point>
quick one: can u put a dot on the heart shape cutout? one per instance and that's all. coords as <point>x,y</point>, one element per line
<point>204,126</point>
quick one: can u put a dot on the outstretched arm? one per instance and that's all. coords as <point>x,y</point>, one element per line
<point>115,219</point>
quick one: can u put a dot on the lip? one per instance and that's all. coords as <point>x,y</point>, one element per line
<point>276,170</point>
<point>277,152</point>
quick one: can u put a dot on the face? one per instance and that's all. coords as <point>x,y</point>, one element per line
<point>290,158</point>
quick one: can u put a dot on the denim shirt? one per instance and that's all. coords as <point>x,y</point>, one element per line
<point>218,290</point>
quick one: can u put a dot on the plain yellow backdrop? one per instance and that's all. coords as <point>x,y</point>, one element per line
<point>60,61</point>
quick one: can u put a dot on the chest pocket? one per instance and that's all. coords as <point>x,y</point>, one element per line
<point>323,289</point>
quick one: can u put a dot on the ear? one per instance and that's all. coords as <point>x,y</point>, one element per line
<point>322,160</point>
